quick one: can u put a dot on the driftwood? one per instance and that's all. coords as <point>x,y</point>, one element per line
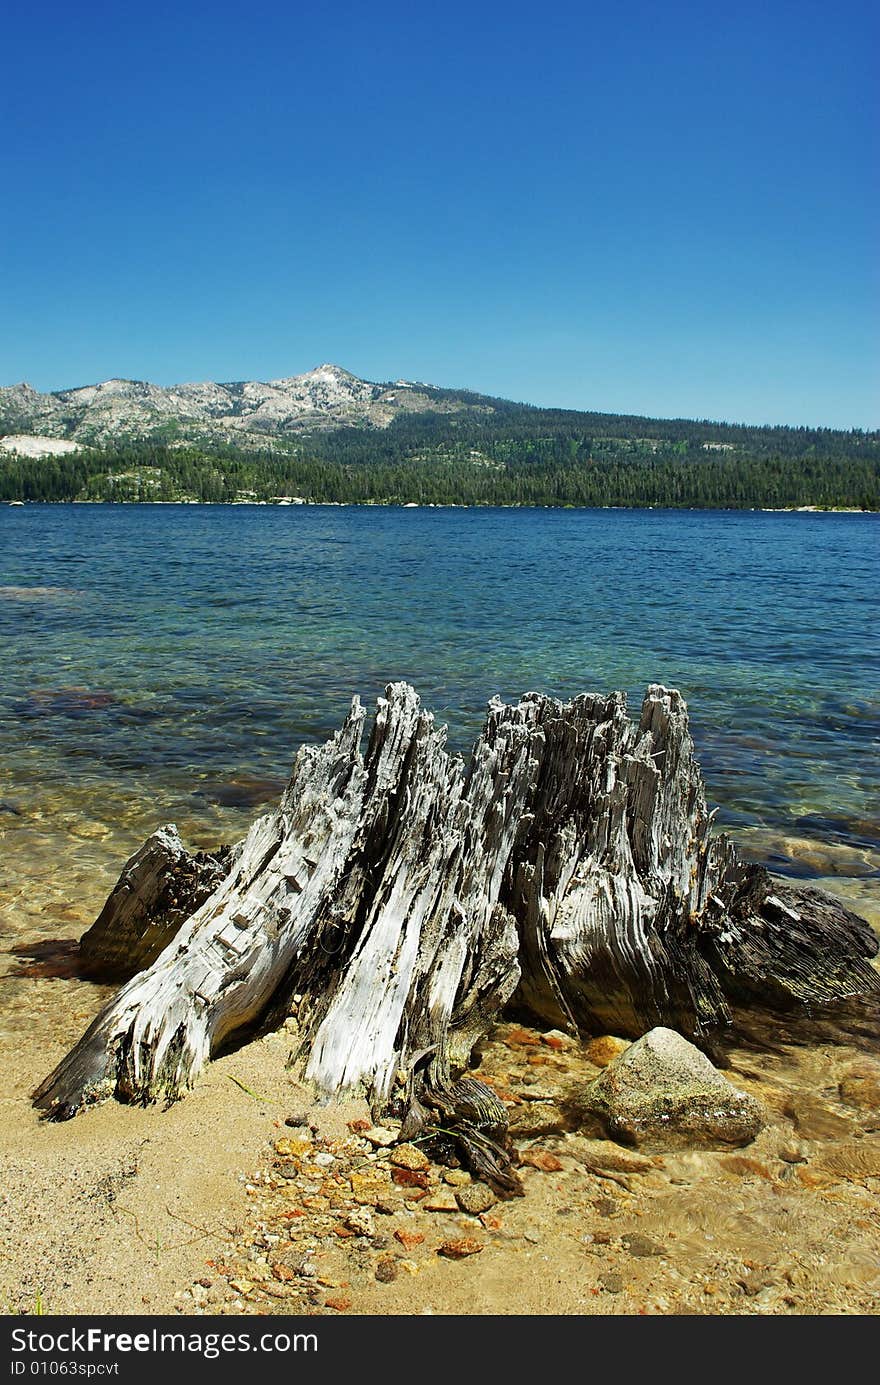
<point>157,891</point>
<point>397,901</point>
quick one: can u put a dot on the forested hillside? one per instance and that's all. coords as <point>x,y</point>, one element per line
<point>493,453</point>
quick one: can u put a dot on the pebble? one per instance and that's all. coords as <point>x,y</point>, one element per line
<point>541,1159</point>
<point>295,1262</point>
<point>386,1269</point>
<point>360,1221</point>
<point>410,1178</point>
<point>368,1187</point>
<point>602,1051</point>
<point>460,1249</point>
<point>609,1157</point>
<point>532,1119</point>
<point>475,1199</point>
<point>388,1206</point>
<point>606,1206</point>
<point>294,1148</point>
<point>408,1239</point>
<point>325,1159</point>
<point>457,1178</point>
<point>410,1157</point>
<point>611,1283</point>
<point>753,1282</point>
<point>89,830</point>
<point>380,1137</point>
<point>637,1244</point>
<point>441,1202</point>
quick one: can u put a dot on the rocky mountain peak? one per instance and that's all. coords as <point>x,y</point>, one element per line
<point>247,413</point>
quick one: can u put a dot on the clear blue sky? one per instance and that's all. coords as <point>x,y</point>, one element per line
<point>667,209</point>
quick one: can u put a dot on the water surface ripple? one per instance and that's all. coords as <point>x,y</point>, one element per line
<point>165,662</point>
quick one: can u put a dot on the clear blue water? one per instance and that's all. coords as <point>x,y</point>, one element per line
<point>170,659</point>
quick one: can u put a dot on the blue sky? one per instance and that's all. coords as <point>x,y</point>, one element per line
<point>659,209</point>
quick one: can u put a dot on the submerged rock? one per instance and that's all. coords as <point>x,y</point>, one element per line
<point>475,1199</point>
<point>860,1086</point>
<point>535,1118</point>
<point>603,1050</point>
<point>386,1269</point>
<point>853,1161</point>
<point>664,1093</point>
<point>410,1157</point>
<point>604,1156</point>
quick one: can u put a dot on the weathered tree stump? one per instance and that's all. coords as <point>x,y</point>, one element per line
<point>404,898</point>
<point>160,886</point>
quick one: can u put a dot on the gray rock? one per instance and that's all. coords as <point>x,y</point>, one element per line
<point>665,1094</point>
<point>326,397</point>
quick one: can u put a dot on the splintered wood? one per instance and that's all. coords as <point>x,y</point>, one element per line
<point>404,897</point>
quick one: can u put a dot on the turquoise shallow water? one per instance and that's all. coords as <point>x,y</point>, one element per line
<point>164,662</point>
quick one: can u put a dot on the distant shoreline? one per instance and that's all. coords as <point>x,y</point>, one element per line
<point>449,505</point>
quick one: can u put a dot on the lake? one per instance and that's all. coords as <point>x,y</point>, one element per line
<point>163,663</point>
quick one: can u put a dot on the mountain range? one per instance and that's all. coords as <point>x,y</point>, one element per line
<point>245,413</point>
<point>329,436</point>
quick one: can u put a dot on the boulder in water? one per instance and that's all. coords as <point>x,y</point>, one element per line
<point>664,1093</point>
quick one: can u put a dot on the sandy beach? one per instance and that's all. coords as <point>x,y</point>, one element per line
<point>203,1207</point>
<point>247,1197</point>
